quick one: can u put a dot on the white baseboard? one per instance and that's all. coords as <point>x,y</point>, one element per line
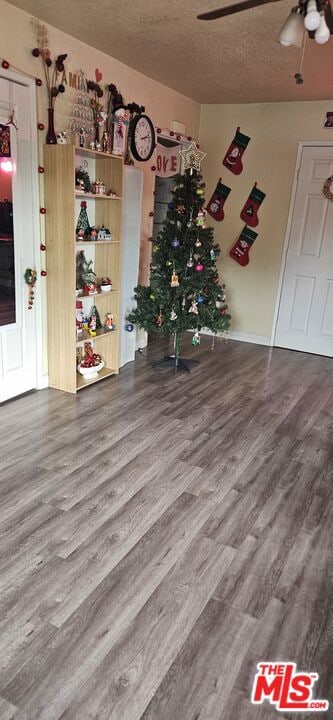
<point>242,337</point>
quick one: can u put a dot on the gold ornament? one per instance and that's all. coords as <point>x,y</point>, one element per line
<point>192,157</point>
<point>197,243</point>
<point>174,280</point>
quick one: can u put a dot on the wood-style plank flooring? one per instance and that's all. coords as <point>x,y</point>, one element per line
<point>162,534</point>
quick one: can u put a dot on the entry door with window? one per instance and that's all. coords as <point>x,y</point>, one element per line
<point>17,323</point>
<point>305,320</point>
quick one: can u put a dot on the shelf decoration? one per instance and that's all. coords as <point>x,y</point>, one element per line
<point>104,234</point>
<point>30,277</point>
<point>85,276</point>
<point>94,317</point>
<point>83,228</point>
<point>99,113</point>
<point>55,77</point>
<point>82,180</point>
<point>106,284</point>
<point>109,324</point>
<point>91,363</point>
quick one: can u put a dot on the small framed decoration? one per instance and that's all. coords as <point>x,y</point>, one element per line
<point>4,141</point>
<point>328,120</point>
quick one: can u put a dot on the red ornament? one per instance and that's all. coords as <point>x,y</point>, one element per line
<point>42,211</point>
<point>158,130</point>
<point>41,126</point>
<point>5,64</point>
<point>151,214</point>
<point>38,82</point>
<point>171,133</point>
<point>153,167</point>
<point>42,247</point>
<point>41,169</point>
<point>189,138</point>
<point>178,137</point>
<point>29,307</point>
<point>155,192</point>
<point>43,273</point>
<point>35,52</point>
<point>199,267</point>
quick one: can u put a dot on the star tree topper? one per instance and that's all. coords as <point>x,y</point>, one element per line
<point>192,157</point>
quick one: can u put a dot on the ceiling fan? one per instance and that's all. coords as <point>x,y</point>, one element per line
<point>315,16</point>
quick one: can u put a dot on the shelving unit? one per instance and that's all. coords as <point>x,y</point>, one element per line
<point>62,204</point>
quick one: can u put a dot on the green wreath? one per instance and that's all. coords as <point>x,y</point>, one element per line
<point>82,175</point>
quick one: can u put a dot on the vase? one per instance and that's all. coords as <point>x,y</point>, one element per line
<point>51,138</point>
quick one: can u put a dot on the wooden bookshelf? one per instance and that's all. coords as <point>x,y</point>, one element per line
<point>62,204</point>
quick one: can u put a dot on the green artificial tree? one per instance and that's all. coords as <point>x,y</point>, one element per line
<point>95,312</point>
<point>83,225</point>
<point>184,291</point>
<point>84,271</point>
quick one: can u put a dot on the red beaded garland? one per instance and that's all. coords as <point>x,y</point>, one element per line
<point>43,273</point>
<point>41,126</point>
<point>40,169</point>
<point>5,64</point>
<point>151,214</point>
<point>158,130</point>
<point>42,211</point>
<point>178,137</point>
<point>42,247</point>
<point>38,82</point>
<point>189,137</point>
<point>172,133</point>
<point>153,167</point>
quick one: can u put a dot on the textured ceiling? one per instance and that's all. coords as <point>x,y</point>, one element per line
<point>231,60</point>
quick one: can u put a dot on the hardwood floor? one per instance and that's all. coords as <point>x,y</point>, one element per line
<point>162,534</point>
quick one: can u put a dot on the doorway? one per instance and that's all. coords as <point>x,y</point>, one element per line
<point>19,235</point>
<point>305,316</point>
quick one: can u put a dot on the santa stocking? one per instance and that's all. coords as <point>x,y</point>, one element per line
<point>250,210</point>
<point>241,249</point>
<point>215,205</point>
<point>232,159</point>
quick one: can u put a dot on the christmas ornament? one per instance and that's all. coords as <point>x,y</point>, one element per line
<point>171,205</point>
<point>175,242</point>
<point>173,315</point>
<point>190,261</point>
<point>159,319</point>
<point>83,228</point>
<point>200,219</point>
<point>168,263</point>
<point>192,157</point>
<point>180,209</point>
<point>183,301</point>
<point>152,296</point>
<point>196,338</point>
<point>232,159</point>
<point>194,308</point>
<point>216,203</point>
<point>212,254</point>
<point>250,210</point>
<point>5,64</point>
<point>240,251</point>
<point>190,221</point>
<point>129,327</point>
<point>328,188</point>
<point>200,298</point>
<point>30,277</point>
<point>174,280</point>
<point>197,243</point>
<point>155,248</point>
<point>199,191</point>
<point>43,273</point>
<point>198,267</point>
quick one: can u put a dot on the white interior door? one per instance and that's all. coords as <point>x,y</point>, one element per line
<point>131,224</point>
<point>305,319</point>
<point>18,371</point>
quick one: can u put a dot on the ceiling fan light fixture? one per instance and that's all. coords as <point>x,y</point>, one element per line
<point>292,32</point>
<point>312,17</point>
<point>322,34</point>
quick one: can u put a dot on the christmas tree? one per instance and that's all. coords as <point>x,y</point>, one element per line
<point>83,225</point>
<point>185,291</point>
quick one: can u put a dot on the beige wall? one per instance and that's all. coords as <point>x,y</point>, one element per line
<point>275,130</point>
<point>164,105</point>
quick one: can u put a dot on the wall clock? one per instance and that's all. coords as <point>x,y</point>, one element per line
<point>142,138</point>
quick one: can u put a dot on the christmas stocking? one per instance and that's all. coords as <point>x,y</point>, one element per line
<point>232,159</point>
<point>250,210</point>
<point>241,249</point>
<point>215,205</point>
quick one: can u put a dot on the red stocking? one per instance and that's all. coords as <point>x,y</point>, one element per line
<point>241,249</point>
<point>215,205</point>
<point>250,210</point>
<point>232,159</point>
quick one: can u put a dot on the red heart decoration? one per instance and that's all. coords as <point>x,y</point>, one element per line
<point>98,75</point>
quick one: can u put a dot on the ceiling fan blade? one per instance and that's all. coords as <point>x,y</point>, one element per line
<point>231,9</point>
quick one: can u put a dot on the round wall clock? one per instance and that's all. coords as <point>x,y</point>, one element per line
<point>142,138</point>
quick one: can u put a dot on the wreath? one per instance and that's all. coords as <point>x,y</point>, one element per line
<point>328,188</point>
<point>82,175</point>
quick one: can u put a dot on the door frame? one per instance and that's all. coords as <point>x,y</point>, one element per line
<point>302,144</point>
<point>30,84</point>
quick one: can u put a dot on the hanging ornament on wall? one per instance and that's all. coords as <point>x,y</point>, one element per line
<point>216,203</point>
<point>250,210</point>
<point>328,188</point>
<point>232,159</point>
